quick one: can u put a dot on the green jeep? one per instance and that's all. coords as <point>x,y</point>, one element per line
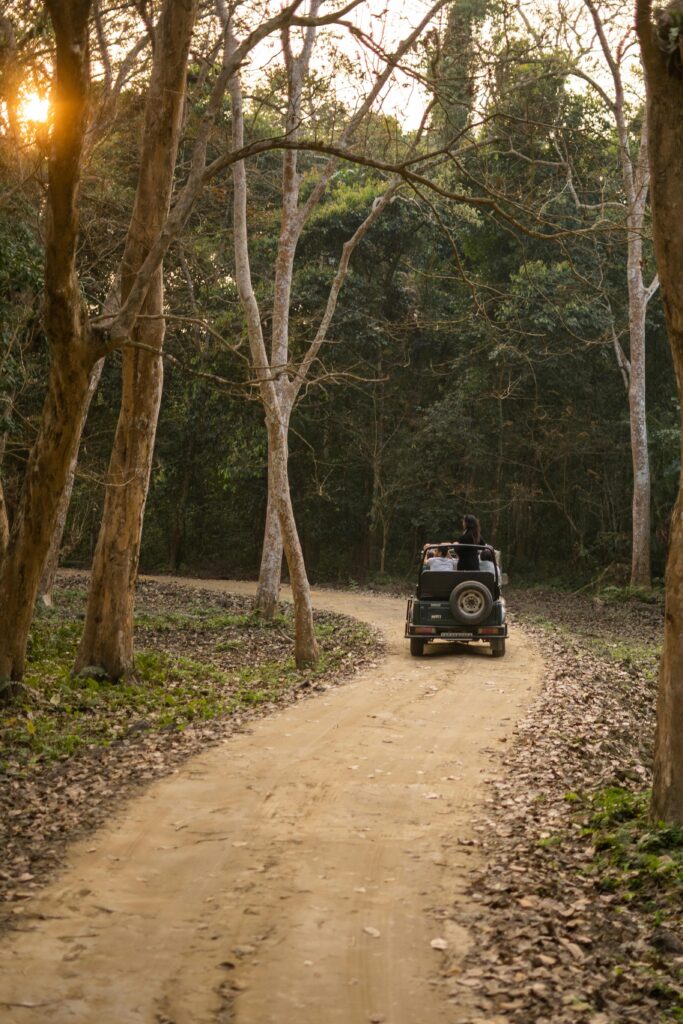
<point>450,605</point>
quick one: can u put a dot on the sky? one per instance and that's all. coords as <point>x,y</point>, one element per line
<point>387,22</point>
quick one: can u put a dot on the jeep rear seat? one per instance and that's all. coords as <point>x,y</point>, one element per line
<point>440,584</point>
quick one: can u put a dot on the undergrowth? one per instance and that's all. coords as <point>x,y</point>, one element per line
<point>638,863</point>
<point>636,858</point>
<point>230,661</point>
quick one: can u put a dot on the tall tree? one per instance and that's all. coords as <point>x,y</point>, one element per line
<point>76,342</point>
<point>636,179</point>
<point>569,51</point>
<point>661,49</point>
<point>107,639</point>
<point>295,215</point>
<point>68,333</point>
<point>279,380</point>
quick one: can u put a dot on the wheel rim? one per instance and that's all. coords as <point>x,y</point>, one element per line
<point>472,603</point>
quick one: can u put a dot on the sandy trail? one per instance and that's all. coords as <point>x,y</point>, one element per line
<point>294,874</point>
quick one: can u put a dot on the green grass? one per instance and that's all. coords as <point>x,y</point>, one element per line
<point>641,657</point>
<point>635,858</point>
<point>639,863</point>
<point>61,714</point>
<point>619,595</point>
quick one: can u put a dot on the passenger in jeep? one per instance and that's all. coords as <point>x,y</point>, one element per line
<point>486,561</point>
<point>468,558</point>
<point>441,562</point>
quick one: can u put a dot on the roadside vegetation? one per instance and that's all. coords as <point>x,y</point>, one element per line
<point>75,745</point>
<point>199,657</point>
<point>583,890</point>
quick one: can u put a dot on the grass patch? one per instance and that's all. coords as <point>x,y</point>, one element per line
<point>635,858</point>
<point>195,663</point>
<point>637,657</point>
<point>620,595</point>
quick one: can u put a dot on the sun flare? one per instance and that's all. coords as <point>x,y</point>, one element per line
<point>33,108</point>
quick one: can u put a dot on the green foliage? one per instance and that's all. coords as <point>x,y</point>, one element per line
<point>469,366</point>
<point>618,595</point>
<point>636,859</point>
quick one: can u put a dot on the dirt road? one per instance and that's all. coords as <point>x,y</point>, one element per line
<point>295,874</point>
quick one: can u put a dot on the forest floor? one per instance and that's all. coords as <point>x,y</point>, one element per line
<point>445,839</point>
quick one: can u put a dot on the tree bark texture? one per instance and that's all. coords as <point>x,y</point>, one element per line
<point>73,354</point>
<point>306,651</point>
<point>270,571</point>
<point>4,515</point>
<point>636,184</point>
<point>51,565</point>
<point>4,524</point>
<point>665,129</point>
<point>640,509</point>
<point>107,640</point>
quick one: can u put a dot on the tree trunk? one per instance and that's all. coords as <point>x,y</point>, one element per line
<point>72,352</point>
<point>640,552</point>
<point>271,557</point>
<point>4,515</point>
<point>34,521</point>
<point>635,175</point>
<point>665,137</point>
<point>290,229</point>
<point>47,581</point>
<point>4,524</point>
<point>306,651</point>
<point>107,640</point>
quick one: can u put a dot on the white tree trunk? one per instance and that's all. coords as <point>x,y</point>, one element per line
<point>306,651</point>
<point>277,418</point>
<point>636,179</point>
<point>640,551</point>
<point>271,557</point>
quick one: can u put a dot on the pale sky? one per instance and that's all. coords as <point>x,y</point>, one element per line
<point>387,22</point>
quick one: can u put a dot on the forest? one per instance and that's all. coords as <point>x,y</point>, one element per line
<point>482,313</point>
<point>286,290</point>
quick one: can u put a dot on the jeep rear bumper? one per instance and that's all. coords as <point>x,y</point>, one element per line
<point>452,630</point>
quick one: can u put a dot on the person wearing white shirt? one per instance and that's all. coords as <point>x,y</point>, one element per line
<point>485,562</point>
<point>441,562</point>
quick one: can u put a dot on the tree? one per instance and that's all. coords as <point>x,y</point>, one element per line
<point>76,340</point>
<point>278,385</point>
<point>635,176</point>
<point>68,332</point>
<point>287,382</point>
<point>569,52</point>
<point>107,639</point>
<point>660,50</point>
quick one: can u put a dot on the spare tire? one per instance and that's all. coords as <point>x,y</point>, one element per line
<point>471,602</point>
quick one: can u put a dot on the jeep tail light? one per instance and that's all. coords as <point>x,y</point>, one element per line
<point>425,629</point>
<point>490,630</point>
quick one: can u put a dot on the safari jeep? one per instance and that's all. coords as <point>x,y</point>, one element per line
<point>456,605</point>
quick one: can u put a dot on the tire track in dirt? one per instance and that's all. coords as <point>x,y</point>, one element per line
<point>295,873</point>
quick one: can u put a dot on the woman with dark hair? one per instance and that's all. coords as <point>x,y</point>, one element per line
<point>468,558</point>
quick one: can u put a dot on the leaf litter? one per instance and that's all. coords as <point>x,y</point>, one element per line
<point>571,922</point>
